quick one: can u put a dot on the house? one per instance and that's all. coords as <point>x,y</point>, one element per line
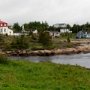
<point>4,28</point>
<point>63,28</point>
<point>65,31</point>
<point>81,34</point>
<point>17,34</point>
<point>88,36</point>
<point>35,31</point>
<point>54,33</point>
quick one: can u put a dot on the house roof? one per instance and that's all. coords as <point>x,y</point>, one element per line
<point>62,25</point>
<point>2,22</point>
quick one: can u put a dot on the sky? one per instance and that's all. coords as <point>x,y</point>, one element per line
<point>51,11</point>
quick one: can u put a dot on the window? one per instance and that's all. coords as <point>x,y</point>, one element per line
<point>1,30</point>
<point>5,24</point>
<point>1,24</point>
<point>4,30</point>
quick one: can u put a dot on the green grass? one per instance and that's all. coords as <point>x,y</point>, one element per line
<point>24,75</point>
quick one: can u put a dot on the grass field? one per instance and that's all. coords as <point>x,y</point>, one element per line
<point>24,75</point>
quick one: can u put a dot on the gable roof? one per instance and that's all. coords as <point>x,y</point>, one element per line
<point>2,22</point>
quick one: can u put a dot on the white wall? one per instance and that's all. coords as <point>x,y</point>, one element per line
<point>17,34</point>
<point>6,30</point>
<point>65,31</point>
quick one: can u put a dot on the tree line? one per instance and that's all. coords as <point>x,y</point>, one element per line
<point>40,26</point>
<point>43,26</point>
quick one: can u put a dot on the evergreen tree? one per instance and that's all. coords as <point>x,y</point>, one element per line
<point>17,28</point>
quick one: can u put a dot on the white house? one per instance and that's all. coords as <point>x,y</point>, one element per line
<point>65,31</point>
<point>54,33</point>
<point>63,28</point>
<point>35,31</point>
<point>4,28</point>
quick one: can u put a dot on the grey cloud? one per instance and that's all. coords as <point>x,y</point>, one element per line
<point>52,11</point>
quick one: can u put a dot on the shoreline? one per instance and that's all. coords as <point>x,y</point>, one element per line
<point>67,51</point>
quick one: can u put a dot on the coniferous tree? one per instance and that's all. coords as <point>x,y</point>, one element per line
<point>17,27</point>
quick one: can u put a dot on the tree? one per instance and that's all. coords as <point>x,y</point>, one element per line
<point>76,28</point>
<point>36,25</point>
<point>68,26</point>
<point>86,27</point>
<point>51,28</point>
<point>17,28</point>
<point>26,27</point>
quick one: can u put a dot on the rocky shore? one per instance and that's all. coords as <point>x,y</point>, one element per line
<point>67,51</point>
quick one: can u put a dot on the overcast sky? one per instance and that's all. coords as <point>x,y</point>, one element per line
<point>52,11</point>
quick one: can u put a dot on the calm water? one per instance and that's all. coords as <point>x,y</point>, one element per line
<point>78,59</point>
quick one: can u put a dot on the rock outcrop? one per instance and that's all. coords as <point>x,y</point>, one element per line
<point>67,51</point>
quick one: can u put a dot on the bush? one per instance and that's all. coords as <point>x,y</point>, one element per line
<point>20,43</point>
<point>34,37</point>
<point>68,39</point>
<point>45,39</point>
<point>3,59</point>
<point>2,41</point>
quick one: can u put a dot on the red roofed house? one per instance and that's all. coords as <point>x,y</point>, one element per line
<point>4,28</point>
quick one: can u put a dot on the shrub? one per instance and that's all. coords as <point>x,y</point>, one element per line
<point>2,42</point>
<point>45,39</point>
<point>34,37</point>
<point>68,39</point>
<point>20,43</point>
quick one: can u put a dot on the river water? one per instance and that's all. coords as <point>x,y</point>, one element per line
<point>77,59</point>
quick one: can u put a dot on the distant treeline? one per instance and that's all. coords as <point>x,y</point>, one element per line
<point>43,26</point>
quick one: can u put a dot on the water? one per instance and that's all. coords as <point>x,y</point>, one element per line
<point>77,59</point>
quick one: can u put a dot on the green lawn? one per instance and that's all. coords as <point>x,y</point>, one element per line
<point>24,75</point>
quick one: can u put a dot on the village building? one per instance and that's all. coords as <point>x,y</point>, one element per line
<point>35,31</point>
<point>4,28</point>
<point>59,29</point>
<point>82,34</point>
<point>63,28</point>
<point>54,33</point>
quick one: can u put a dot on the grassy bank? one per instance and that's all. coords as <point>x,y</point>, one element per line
<point>24,75</point>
